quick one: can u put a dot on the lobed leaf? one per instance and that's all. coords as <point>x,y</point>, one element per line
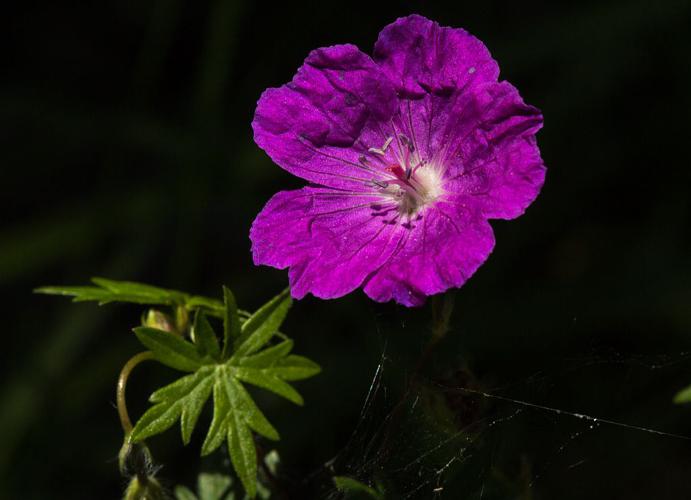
<point>263,324</point>
<point>181,387</point>
<point>243,453</point>
<point>295,367</point>
<point>172,406</point>
<point>155,420</point>
<point>219,426</point>
<point>192,408</point>
<point>235,414</point>
<point>205,338</point>
<point>169,349</point>
<point>266,380</point>
<point>267,357</point>
<point>231,322</point>
<point>215,369</point>
<point>144,292</point>
<point>107,291</point>
<point>212,306</point>
<point>244,405</point>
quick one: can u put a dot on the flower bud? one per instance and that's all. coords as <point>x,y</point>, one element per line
<point>156,319</point>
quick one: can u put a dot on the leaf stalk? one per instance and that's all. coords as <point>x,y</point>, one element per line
<point>125,421</point>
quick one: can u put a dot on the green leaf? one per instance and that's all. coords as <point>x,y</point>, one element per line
<point>205,338</point>
<point>107,291</point>
<point>183,399</point>
<point>180,387</point>
<point>214,487</point>
<point>350,485</point>
<point>243,453</point>
<point>683,396</point>
<point>295,367</point>
<point>235,414</point>
<point>155,420</point>
<point>219,425</point>
<point>183,493</point>
<point>211,306</point>
<point>193,408</point>
<point>268,356</point>
<point>144,292</point>
<point>263,324</point>
<point>265,379</point>
<point>231,322</point>
<point>244,405</point>
<point>169,349</point>
<point>210,486</point>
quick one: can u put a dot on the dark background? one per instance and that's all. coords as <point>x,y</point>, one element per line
<point>126,152</point>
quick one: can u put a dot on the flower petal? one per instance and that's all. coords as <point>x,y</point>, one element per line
<point>444,248</point>
<point>420,56</point>
<point>492,150</point>
<point>314,127</point>
<point>331,240</point>
<point>430,99</point>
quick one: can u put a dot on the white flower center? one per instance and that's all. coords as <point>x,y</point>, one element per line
<point>422,189</point>
<point>408,180</point>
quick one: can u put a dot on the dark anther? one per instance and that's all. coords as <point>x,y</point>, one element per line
<point>407,142</point>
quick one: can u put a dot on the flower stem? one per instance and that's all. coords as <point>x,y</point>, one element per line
<point>122,386</point>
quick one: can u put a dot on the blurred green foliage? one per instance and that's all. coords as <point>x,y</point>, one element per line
<point>127,152</point>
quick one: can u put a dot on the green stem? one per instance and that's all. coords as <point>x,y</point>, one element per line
<point>122,387</point>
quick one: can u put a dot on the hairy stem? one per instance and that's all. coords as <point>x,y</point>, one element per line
<point>122,387</point>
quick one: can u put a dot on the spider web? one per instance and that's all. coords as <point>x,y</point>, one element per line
<point>455,438</point>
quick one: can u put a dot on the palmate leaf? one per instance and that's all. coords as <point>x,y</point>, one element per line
<point>221,373</point>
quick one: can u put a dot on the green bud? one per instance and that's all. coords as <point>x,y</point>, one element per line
<point>156,319</point>
<point>182,319</point>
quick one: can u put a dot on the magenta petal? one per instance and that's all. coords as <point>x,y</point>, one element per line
<point>412,153</point>
<point>311,126</point>
<point>331,240</point>
<point>494,155</point>
<point>420,57</point>
<point>443,250</point>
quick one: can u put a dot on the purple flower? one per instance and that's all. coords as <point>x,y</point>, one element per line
<point>408,153</point>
